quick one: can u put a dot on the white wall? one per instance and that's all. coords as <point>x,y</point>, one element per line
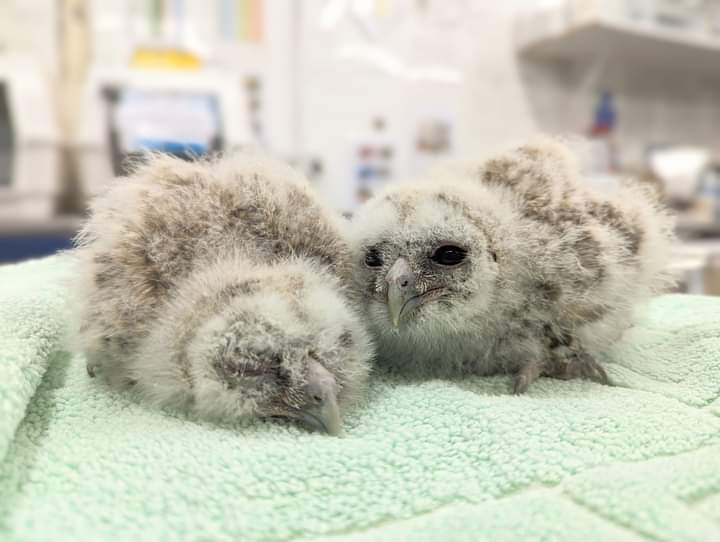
<point>501,98</point>
<point>30,28</point>
<point>494,96</point>
<point>349,79</point>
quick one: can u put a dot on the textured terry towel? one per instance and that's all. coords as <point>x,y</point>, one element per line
<point>421,461</point>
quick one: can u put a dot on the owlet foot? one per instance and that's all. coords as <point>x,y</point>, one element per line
<point>528,374</point>
<point>579,365</point>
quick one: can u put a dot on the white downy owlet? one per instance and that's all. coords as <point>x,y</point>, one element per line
<point>510,265</point>
<point>216,286</point>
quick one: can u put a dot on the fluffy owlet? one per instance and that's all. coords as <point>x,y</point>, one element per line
<point>512,265</point>
<point>214,286</point>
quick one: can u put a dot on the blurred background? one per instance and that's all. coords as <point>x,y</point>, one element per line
<point>357,93</point>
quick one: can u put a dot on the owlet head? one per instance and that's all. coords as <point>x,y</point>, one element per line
<point>266,360</point>
<point>424,259</point>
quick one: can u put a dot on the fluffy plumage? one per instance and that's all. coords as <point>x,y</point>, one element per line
<point>511,265</point>
<point>213,285</point>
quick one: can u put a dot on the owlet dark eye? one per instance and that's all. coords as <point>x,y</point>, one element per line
<point>449,255</point>
<point>373,258</point>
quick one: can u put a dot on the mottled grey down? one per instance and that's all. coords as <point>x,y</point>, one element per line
<point>552,273</point>
<point>215,285</point>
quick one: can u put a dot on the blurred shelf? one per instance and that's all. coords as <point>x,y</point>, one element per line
<point>22,227</point>
<point>602,34</point>
<point>694,265</point>
<point>688,229</point>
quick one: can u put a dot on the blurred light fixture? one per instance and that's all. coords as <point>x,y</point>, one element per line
<point>680,168</point>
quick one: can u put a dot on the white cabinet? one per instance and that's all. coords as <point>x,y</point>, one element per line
<point>29,142</point>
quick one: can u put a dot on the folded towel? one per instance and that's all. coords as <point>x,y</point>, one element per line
<point>31,304</point>
<point>428,460</point>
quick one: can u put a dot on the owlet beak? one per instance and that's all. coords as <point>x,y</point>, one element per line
<point>321,411</point>
<point>402,295</point>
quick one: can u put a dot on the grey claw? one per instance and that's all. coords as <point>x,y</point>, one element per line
<point>600,376</point>
<point>525,376</point>
<point>520,384</point>
<point>584,367</point>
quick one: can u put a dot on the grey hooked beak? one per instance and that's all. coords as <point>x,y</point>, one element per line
<point>402,296</point>
<point>321,410</point>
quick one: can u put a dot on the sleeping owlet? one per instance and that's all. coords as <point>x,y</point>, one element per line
<point>215,286</point>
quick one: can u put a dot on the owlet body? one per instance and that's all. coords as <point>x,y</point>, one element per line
<point>214,286</point>
<point>509,266</point>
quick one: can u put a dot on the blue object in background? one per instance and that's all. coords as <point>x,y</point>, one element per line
<point>605,115</point>
<point>15,248</point>
<point>174,147</point>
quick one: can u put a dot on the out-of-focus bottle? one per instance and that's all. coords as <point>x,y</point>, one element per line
<point>602,130</point>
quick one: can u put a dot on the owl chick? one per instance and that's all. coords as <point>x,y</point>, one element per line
<point>213,286</point>
<point>510,266</point>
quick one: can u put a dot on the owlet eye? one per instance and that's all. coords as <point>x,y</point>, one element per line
<point>449,255</point>
<point>373,258</point>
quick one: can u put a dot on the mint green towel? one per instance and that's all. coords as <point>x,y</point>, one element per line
<point>421,461</point>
